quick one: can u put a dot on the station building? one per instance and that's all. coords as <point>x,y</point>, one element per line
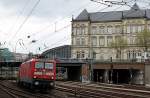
<point>67,68</point>
<point>92,32</point>
<point>58,52</point>
<point>9,63</point>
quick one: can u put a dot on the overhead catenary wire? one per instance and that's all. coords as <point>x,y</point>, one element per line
<point>61,19</point>
<point>53,33</point>
<point>18,16</point>
<point>53,44</point>
<point>66,26</point>
<point>70,24</point>
<point>107,7</point>
<point>20,27</point>
<point>46,27</point>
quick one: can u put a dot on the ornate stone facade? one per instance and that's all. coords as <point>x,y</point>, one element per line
<point>93,32</point>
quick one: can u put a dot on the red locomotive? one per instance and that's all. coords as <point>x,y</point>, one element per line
<point>37,73</point>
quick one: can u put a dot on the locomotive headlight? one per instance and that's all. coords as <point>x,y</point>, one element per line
<point>52,84</point>
<point>36,83</point>
<point>52,77</point>
<point>34,77</point>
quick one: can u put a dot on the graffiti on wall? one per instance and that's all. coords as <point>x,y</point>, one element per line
<point>85,73</point>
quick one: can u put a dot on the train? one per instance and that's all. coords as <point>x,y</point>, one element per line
<point>37,74</point>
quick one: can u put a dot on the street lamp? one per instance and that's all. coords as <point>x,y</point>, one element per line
<point>19,43</point>
<point>111,74</point>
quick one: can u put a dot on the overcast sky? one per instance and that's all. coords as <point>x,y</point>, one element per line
<point>18,20</point>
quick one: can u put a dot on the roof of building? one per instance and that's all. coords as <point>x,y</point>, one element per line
<point>84,15</point>
<point>134,12</point>
<point>53,49</point>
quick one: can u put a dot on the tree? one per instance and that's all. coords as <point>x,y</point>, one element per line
<point>5,54</point>
<point>119,44</point>
<point>143,39</point>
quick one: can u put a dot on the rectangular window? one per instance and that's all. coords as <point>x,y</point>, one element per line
<point>94,41</point>
<point>132,40</point>
<point>48,65</point>
<point>94,55</point>
<point>117,38</point>
<point>74,31</point>
<point>78,54</point>
<point>139,53</point>
<point>82,41</point>
<point>128,55</point>
<point>109,40</point>
<point>83,54</point>
<point>101,41</point>
<point>101,29</point>
<point>134,28</point>
<point>140,28</point>
<point>109,29</point>
<point>73,41</point>
<point>117,29</point>
<point>39,65</point>
<point>148,27</point>
<point>78,31</point>
<point>128,29</point>
<point>94,30</point>
<point>78,41</point>
<point>82,30</point>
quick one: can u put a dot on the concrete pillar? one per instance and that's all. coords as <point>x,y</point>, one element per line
<point>138,77</point>
<point>106,76</point>
<point>147,74</point>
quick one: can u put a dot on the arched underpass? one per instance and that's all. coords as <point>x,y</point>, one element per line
<point>69,70</point>
<point>74,73</point>
<point>69,73</point>
<point>118,76</point>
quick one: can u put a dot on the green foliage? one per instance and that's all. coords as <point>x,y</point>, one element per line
<point>119,44</point>
<point>143,39</point>
<point>5,54</point>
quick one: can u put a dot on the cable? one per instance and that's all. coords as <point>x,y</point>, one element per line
<point>53,33</point>
<point>69,25</point>
<point>25,19</point>
<point>102,2</point>
<point>39,31</point>
<point>53,44</point>
<point>18,16</point>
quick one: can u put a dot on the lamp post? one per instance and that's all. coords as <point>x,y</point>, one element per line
<point>19,43</point>
<point>131,75</point>
<point>111,74</point>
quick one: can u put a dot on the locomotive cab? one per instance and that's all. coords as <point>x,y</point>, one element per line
<point>37,73</point>
<point>44,74</point>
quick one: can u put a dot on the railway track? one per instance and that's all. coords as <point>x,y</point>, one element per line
<point>102,91</point>
<point>16,92</point>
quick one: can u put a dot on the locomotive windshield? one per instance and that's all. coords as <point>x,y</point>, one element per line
<point>48,65</point>
<point>39,65</point>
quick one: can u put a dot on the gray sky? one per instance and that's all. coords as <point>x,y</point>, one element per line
<point>40,25</point>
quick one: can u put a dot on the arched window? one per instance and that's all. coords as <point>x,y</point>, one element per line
<point>94,55</point>
<point>78,54</point>
<point>82,54</point>
<point>109,29</point>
